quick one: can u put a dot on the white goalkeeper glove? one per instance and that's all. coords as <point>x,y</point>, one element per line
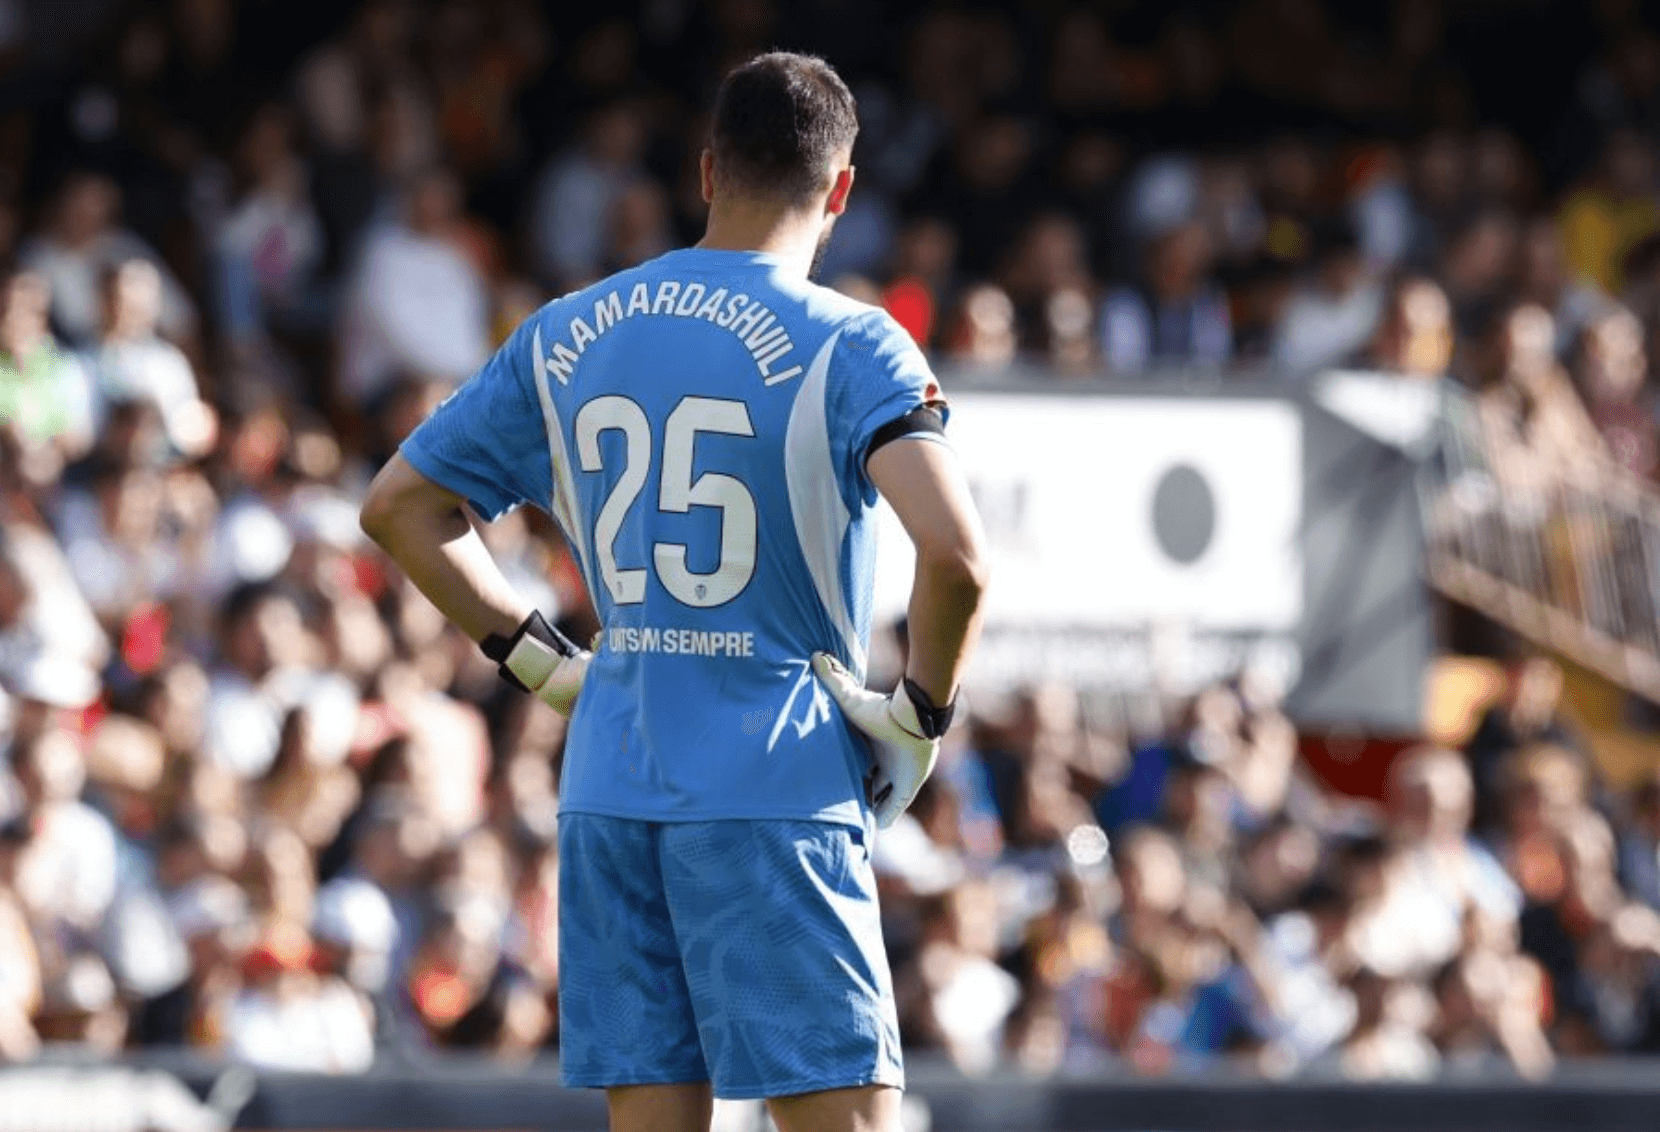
<point>541,660</point>
<point>903,729</point>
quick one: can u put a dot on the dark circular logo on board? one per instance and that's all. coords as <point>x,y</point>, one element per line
<point>1184,514</point>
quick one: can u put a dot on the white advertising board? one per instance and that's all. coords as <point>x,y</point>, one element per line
<point>1127,513</point>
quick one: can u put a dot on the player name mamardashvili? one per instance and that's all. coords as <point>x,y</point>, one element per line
<point>754,324</point>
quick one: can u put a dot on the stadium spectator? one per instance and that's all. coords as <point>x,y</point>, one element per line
<point>960,998</point>
<point>210,915</point>
<point>1538,430</point>
<point>1441,195</point>
<point>637,227</point>
<point>304,790</point>
<point>270,244</point>
<point>1173,316</point>
<point>1386,1043</point>
<point>1381,206</point>
<point>1612,212</point>
<point>1307,948</point>
<point>1491,1003</point>
<point>416,305</point>
<point>82,242</point>
<point>265,672</point>
<point>1337,309</point>
<point>354,934</point>
<point>1089,173</point>
<point>923,283</point>
<point>125,764</point>
<point>1527,714</point>
<point>1047,279</point>
<point>1612,375</point>
<point>20,991</point>
<point>1414,338</point>
<point>46,395</point>
<point>51,647</point>
<point>580,191</point>
<point>1543,277</point>
<point>1288,185</point>
<point>289,1017</point>
<point>131,363</point>
<point>984,336</point>
<point>1479,269</point>
<point>1443,875</point>
<point>1640,844</point>
<point>80,1006</point>
<point>985,184</point>
<point>1261,290</point>
<point>1617,1007</point>
<point>66,869</point>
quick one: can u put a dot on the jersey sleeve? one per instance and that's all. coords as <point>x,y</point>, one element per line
<point>877,376</point>
<point>487,441</point>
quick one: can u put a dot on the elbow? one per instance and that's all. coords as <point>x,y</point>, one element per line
<point>962,571</point>
<point>375,516</point>
<point>973,572</point>
<point>402,512</point>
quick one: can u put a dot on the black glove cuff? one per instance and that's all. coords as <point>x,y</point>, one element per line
<point>498,648</point>
<point>934,721</point>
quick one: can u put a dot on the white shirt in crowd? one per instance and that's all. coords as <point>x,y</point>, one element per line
<point>77,275</point>
<point>244,720</point>
<point>572,204</point>
<point>416,306</point>
<point>69,870</point>
<point>1316,1011</point>
<point>155,371</point>
<point>278,234</point>
<point>327,1030</point>
<point>1419,924</point>
<point>1320,329</point>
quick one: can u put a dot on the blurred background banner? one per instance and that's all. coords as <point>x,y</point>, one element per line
<point>1118,512</point>
<point>1124,521</point>
<point>1159,537</point>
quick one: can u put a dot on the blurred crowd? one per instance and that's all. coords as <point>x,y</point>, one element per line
<point>258,798</point>
<point>1064,898</point>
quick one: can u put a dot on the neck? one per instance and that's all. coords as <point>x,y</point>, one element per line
<point>792,234</point>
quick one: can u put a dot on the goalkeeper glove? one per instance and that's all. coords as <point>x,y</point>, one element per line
<point>904,731</point>
<point>541,660</point>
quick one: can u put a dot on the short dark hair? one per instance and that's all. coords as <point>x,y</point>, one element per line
<point>779,121</point>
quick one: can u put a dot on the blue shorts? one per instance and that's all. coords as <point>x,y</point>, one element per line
<point>744,953</point>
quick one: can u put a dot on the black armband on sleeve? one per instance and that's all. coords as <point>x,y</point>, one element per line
<point>922,419</point>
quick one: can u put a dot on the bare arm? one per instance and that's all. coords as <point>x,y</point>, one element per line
<point>423,527</point>
<point>926,488</point>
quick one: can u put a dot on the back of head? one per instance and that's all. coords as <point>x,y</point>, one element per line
<point>781,122</point>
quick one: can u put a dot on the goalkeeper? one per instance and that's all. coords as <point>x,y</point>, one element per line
<point>711,431</point>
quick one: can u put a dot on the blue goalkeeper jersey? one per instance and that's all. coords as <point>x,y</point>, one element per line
<point>697,426</point>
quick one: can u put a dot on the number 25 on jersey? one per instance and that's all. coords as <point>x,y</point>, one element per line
<point>678,493</point>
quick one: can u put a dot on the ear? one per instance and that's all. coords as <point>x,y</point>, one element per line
<point>706,174</point>
<point>839,190</point>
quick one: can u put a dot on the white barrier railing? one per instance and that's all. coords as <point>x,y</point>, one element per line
<point>1568,556</point>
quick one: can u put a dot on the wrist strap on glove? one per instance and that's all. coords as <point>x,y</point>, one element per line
<point>934,721</point>
<point>527,658</point>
